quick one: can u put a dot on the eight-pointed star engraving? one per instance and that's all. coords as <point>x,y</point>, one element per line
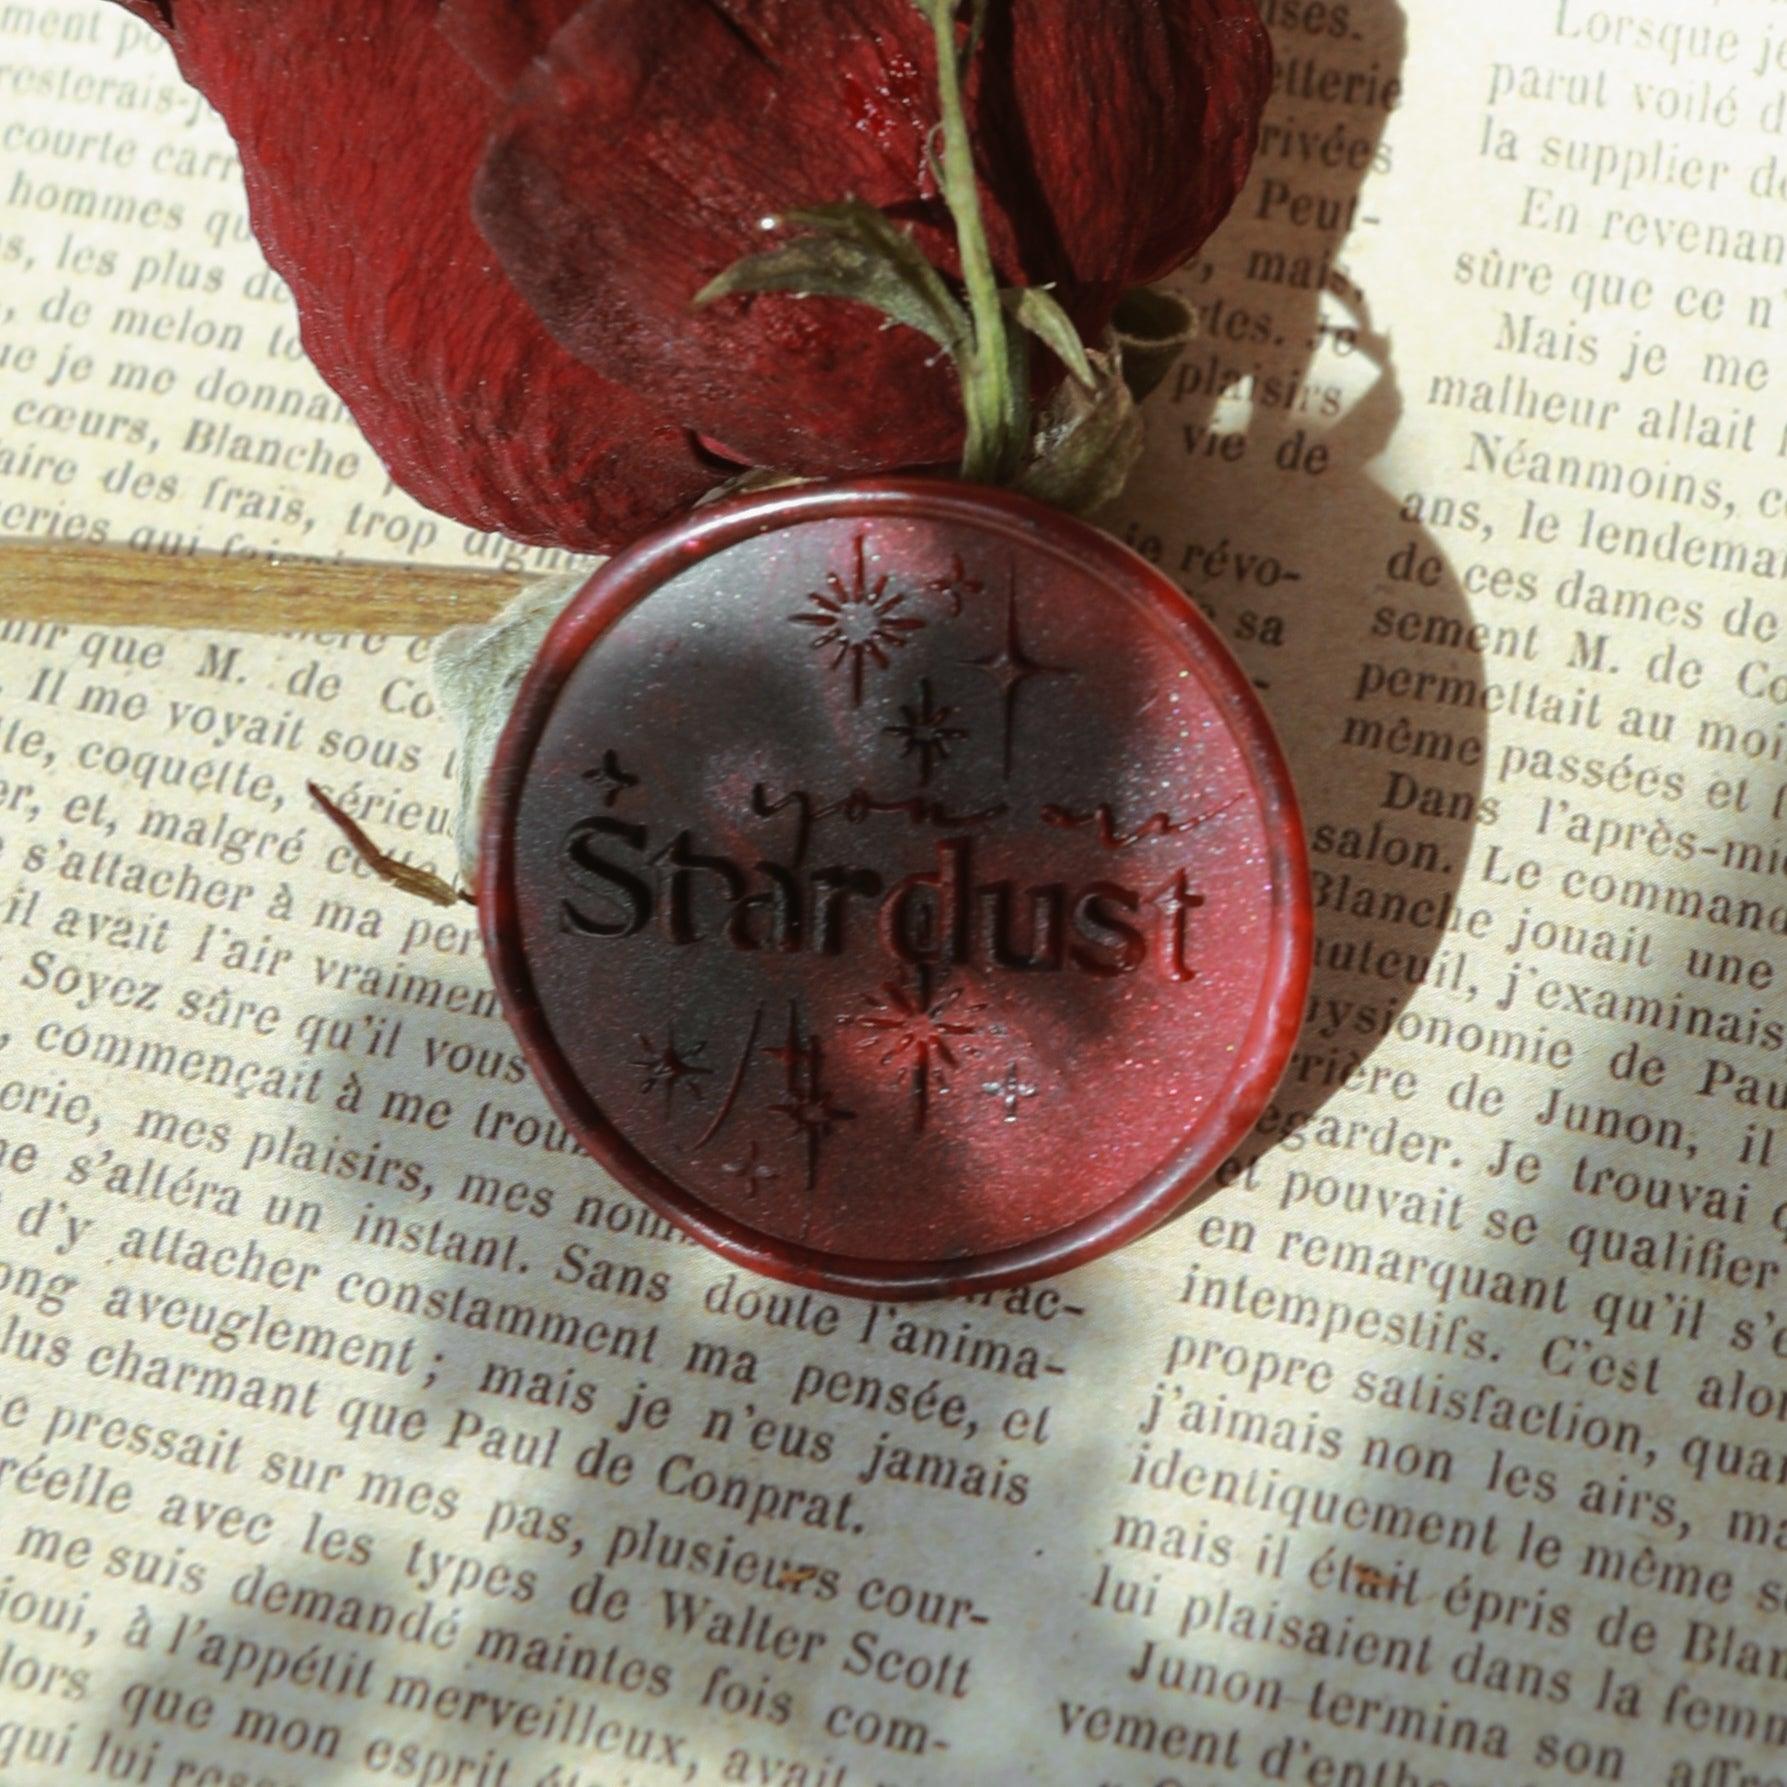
<point>920,1034</point>
<point>928,731</point>
<point>859,622</point>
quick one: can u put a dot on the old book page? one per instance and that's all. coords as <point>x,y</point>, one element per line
<point>354,1429</point>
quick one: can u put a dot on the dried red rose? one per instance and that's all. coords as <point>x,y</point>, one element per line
<point>634,149</point>
<point>640,155</point>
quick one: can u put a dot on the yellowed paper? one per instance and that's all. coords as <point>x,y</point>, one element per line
<point>353,1428</point>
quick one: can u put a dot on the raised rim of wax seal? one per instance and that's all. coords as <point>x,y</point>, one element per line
<point>1258,1061</point>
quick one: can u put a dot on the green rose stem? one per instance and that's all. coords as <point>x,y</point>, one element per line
<point>857,253</point>
<point>998,410</point>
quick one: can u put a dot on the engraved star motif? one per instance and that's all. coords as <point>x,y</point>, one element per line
<point>1010,1092</point>
<point>610,778</point>
<point>927,731</point>
<point>815,1116</point>
<point>956,586</point>
<point>1011,667</point>
<point>808,1106</point>
<point>670,1068</point>
<point>920,1034</point>
<point>859,622</point>
<point>791,1055</point>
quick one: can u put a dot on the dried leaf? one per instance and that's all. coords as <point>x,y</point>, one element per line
<point>423,883</point>
<point>854,253</point>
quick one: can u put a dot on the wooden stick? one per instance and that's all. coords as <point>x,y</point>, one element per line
<point>114,586</point>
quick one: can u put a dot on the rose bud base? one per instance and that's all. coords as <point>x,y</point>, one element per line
<point>897,885</point>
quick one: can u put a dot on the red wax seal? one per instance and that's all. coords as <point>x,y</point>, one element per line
<point>897,885</point>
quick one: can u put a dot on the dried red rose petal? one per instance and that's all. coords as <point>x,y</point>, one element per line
<point>360,126</point>
<point>641,153</point>
<point>1137,125</point>
<point>153,13</point>
<point>501,37</point>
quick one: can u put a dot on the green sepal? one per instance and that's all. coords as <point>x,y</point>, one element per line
<point>1034,309</point>
<point>1013,395</point>
<point>1087,442</point>
<point>853,252</point>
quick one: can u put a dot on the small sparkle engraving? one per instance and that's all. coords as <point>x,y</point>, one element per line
<point>807,1104</point>
<point>928,732</point>
<point>956,586</point>
<point>670,1067</point>
<point>1010,1092</point>
<point>753,1171</point>
<point>610,778</point>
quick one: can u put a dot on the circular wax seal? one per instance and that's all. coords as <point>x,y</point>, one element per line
<point>897,885</point>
